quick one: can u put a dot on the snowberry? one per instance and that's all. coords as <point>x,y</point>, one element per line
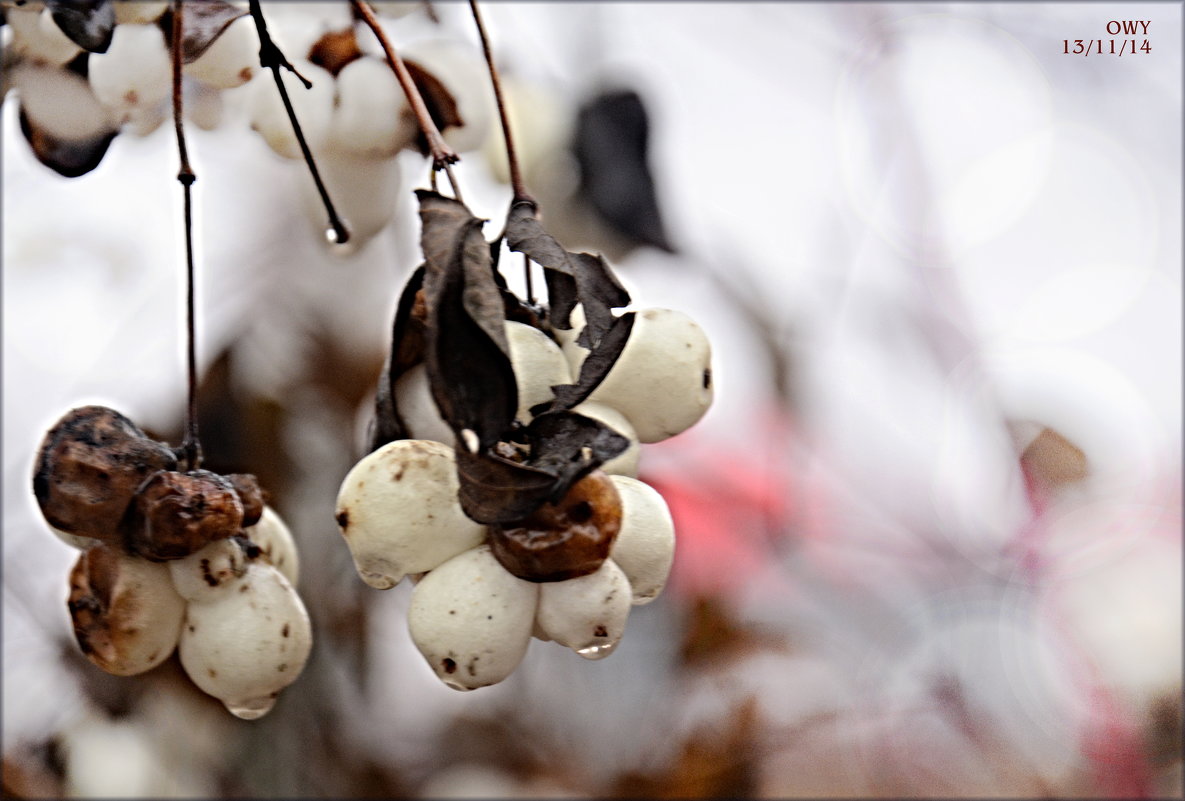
<point>60,103</point>
<point>371,117</point>
<point>366,192</point>
<point>126,614</point>
<point>231,60</point>
<point>36,37</point>
<point>471,620</point>
<point>461,70</point>
<point>399,513</point>
<point>134,74</point>
<point>645,545</point>
<point>209,572</point>
<point>275,542</point>
<point>243,647</point>
<point>138,12</point>
<point>203,105</point>
<point>588,613</point>
<point>662,381</point>
<point>626,462</point>
<point>313,106</point>
<point>538,365</point>
<point>420,414</point>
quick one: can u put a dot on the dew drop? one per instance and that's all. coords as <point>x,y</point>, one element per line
<point>252,709</point>
<point>597,651</point>
<point>339,247</point>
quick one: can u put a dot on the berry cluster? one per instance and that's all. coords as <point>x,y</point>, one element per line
<point>86,72</point>
<point>191,560</point>
<point>511,499</point>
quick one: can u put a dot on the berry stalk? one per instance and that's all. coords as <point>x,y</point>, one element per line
<point>186,176</point>
<point>516,176</point>
<point>442,154</point>
<point>271,57</point>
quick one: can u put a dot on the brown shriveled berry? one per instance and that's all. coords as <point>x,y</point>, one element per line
<point>175,514</point>
<point>564,540</point>
<point>127,616</point>
<point>247,488</point>
<point>91,463</point>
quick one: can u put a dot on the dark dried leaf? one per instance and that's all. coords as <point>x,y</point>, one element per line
<point>204,22</point>
<point>407,350</point>
<point>70,158</point>
<point>90,24</point>
<point>610,146</point>
<point>498,490</point>
<point>596,288</point>
<point>467,358</point>
<point>569,446</point>
<point>595,367</point>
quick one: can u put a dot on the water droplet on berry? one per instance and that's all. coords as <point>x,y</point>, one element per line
<point>252,709</point>
<point>597,651</point>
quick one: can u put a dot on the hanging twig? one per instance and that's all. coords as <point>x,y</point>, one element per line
<point>190,444</point>
<point>516,176</point>
<point>271,57</point>
<point>442,154</point>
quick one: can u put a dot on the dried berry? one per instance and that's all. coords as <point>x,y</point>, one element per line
<point>247,488</point>
<point>564,540</point>
<point>175,514</point>
<point>91,464</point>
<point>127,616</point>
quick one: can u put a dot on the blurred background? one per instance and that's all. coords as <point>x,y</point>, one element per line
<point>929,535</point>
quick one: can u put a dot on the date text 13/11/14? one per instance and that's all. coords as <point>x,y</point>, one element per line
<point>1108,47</point>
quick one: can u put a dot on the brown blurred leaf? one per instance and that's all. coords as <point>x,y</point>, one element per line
<point>90,24</point>
<point>67,157</point>
<point>1054,460</point>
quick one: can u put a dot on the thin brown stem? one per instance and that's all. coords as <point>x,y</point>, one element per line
<point>516,176</point>
<point>271,57</point>
<point>190,444</point>
<point>527,276</point>
<point>442,154</point>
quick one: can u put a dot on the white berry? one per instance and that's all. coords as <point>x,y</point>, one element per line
<point>371,117</point>
<point>645,546</point>
<point>588,613</point>
<point>209,573</point>
<point>662,381</point>
<point>36,37</point>
<point>275,540</point>
<point>538,365</point>
<point>399,514</point>
<point>246,646</point>
<point>126,614</point>
<point>472,620</point>
<point>313,107</point>
<point>461,70</point>
<point>231,60</point>
<point>419,412</point>
<point>135,73</point>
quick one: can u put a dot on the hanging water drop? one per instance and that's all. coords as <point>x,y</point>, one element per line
<point>597,651</point>
<point>252,709</point>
